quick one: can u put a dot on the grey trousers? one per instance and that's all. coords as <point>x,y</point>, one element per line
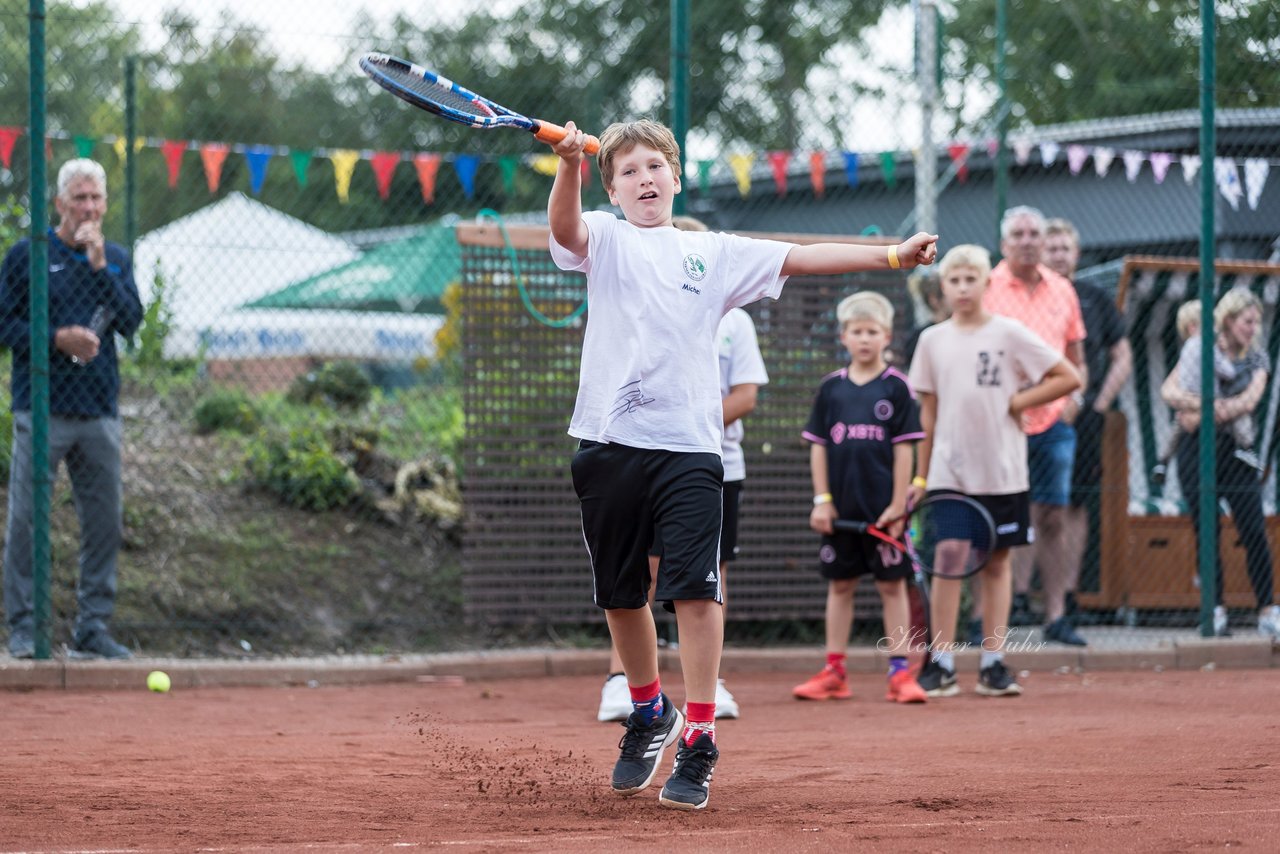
<point>91,450</point>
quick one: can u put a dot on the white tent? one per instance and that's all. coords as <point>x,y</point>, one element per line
<point>237,250</point>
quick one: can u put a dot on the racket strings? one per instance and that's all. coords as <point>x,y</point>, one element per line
<point>437,93</point>
<point>952,539</point>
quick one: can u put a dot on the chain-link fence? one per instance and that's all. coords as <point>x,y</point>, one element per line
<point>292,399</point>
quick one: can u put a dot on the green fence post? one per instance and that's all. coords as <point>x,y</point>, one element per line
<point>1002,119</point>
<point>680,83</point>
<point>1208,498</point>
<point>130,162</point>
<point>39,319</point>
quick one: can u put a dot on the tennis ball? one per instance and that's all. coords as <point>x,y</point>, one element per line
<point>158,681</point>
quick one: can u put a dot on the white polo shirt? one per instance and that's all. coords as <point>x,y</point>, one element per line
<point>740,363</point>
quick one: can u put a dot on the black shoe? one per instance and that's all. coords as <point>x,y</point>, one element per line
<point>21,645</point>
<point>642,748</point>
<point>995,680</point>
<point>689,786</point>
<point>937,681</point>
<point>98,645</point>
<point>1020,613</point>
<point>974,637</point>
<point>1062,631</point>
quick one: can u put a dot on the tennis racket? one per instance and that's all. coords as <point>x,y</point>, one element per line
<point>429,91</point>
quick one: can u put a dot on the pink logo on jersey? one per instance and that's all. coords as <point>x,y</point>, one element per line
<point>884,410</point>
<point>827,554</point>
<point>837,433</point>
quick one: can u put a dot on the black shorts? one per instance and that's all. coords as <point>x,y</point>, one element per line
<point>1086,474</point>
<point>629,496</point>
<point>847,555</point>
<point>730,505</point>
<point>1011,514</point>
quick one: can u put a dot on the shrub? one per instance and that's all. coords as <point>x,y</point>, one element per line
<point>302,469</point>
<point>226,409</point>
<point>339,384</point>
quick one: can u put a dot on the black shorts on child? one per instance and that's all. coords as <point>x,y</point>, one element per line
<point>629,496</point>
<point>1011,515</point>
<point>848,555</point>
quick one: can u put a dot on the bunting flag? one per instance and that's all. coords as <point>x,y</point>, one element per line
<point>384,165</point>
<point>1256,170</point>
<point>851,167</point>
<point>212,154</point>
<point>959,154</point>
<point>1160,163</point>
<point>1076,156</point>
<point>1227,176</point>
<point>466,165</point>
<point>545,164</point>
<point>427,165</point>
<point>120,143</point>
<point>586,172</point>
<point>1102,158</point>
<point>301,159</point>
<point>818,173</point>
<point>509,165</point>
<point>889,168</point>
<point>1190,166</point>
<point>778,163</point>
<point>741,166</point>
<point>704,174</point>
<point>344,163</point>
<point>1022,151</point>
<point>84,145</point>
<point>258,157</point>
<point>1132,164</point>
<point>173,149</point>
<point>48,149</point>
<point>1048,152</point>
<point>8,136</point>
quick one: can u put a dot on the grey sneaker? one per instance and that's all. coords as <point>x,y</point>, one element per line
<point>938,681</point>
<point>995,680</point>
<point>21,645</point>
<point>641,747</point>
<point>98,645</point>
<point>689,786</point>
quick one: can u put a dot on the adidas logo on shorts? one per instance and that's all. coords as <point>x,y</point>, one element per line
<point>711,576</point>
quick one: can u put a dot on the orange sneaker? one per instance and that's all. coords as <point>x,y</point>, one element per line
<point>903,688</point>
<point>825,685</point>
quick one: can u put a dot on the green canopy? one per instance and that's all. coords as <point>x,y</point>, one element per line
<point>407,276</point>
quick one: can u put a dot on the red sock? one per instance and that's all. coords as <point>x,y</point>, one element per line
<point>835,660</point>
<point>701,717</point>
<point>647,700</point>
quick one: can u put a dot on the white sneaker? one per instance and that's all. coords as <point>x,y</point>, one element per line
<point>726,706</point>
<point>615,699</point>
<point>1269,622</point>
<point>1220,622</point>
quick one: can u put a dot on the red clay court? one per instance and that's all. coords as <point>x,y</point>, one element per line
<point>1139,761</point>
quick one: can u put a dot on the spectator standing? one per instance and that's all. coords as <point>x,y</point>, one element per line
<point>92,297</point>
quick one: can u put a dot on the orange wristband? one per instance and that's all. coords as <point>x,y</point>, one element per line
<point>894,264</point>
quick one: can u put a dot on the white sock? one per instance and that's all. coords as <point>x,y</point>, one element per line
<point>989,658</point>
<point>946,659</point>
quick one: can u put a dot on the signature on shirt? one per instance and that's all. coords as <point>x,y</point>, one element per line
<point>630,398</point>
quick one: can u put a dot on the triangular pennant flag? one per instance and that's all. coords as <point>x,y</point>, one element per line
<point>212,154</point>
<point>1048,152</point>
<point>1022,151</point>
<point>1160,163</point>
<point>8,136</point>
<point>1102,158</point>
<point>741,166</point>
<point>509,165</point>
<point>466,165</point>
<point>258,156</point>
<point>586,172</point>
<point>818,173</point>
<point>344,163</point>
<point>48,149</point>
<point>1256,170</point>
<point>851,167</point>
<point>1190,166</point>
<point>173,149</point>
<point>384,166</point>
<point>545,164</point>
<point>301,160</point>
<point>959,154</point>
<point>778,163</point>
<point>889,168</point>
<point>1076,156</point>
<point>1227,176</point>
<point>1133,164</point>
<point>84,145</point>
<point>427,165</point>
<point>704,174</point>
<point>121,142</point>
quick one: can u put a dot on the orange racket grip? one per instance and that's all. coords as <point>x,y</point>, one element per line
<point>547,132</point>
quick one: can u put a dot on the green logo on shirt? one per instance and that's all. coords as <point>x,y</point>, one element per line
<point>695,266</point>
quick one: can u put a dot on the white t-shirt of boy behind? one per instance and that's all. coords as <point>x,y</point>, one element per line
<point>649,376</point>
<point>740,363</point>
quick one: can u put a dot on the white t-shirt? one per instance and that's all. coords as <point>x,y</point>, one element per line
<point>649,376</point>
<point>740,363</point>
<point>978,447</point>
